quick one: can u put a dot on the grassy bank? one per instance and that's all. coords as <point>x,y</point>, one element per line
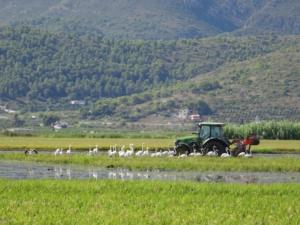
<point>6,143</point>
<point>282,164</point>
<point>143,202</point>
<point>78,143</point>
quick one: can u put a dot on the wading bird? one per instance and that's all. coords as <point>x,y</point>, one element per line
<point>213,153</point>
<point>95,150</point>
<point>56,152</point>
<point>227,154</point>
<point>69,151</point>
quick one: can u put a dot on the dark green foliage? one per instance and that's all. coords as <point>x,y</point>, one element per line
<point>17,122</point>
<point>201,107</point>
<point>49,119</point>
<point>43,71</point>
<point>205,87</point>
<point>43,66</point>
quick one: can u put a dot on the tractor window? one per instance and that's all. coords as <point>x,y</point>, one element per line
<point>216,131</point>
<point>204,132</point>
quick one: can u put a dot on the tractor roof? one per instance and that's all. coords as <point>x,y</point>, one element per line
<point>211,124</point>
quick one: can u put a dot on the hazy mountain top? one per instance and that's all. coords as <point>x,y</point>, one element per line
<point>155,19</point>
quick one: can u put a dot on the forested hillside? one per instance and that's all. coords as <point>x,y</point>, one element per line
<point>41,65</point>
<point>136,79</point>
<point>155,19</point>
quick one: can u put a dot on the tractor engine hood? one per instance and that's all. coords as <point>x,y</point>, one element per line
<point>187,139</point>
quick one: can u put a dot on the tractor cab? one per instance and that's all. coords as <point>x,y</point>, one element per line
<point>209,130</point>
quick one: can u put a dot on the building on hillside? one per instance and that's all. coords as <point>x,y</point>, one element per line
<point>195,117</point>
<point>77,102</point>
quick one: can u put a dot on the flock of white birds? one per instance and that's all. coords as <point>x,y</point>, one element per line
<point>122,152</point>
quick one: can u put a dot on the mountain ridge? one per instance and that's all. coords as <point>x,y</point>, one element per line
<point>156,19</point>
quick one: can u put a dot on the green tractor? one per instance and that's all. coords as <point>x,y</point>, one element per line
<point>210,137</point>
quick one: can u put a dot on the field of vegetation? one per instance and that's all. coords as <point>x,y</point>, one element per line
<point>42,143</point>
<point>284,130</point>
<point>256,164</point>
<point>131,80</point>
<point>118,202</point>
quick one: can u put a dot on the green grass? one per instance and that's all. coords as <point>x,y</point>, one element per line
<point>146,202</point>
<point>104,143</point>
<point>78,143</point>
<point>278,146</point>
<point>258,164</point>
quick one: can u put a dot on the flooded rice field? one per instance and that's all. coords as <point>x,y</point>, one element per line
<point>84,152</point>
<point>30,170</point>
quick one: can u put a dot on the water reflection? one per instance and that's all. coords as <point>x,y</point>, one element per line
<point>23,170</point>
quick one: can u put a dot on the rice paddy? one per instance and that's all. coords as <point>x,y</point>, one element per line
<point>146,202</point>
<point>256,164</point>
<point>42,143</point>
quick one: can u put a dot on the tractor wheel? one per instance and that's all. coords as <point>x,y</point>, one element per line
<point>182,149</point>
<point>219,146</point>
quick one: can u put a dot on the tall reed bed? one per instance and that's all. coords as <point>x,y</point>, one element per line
<point>285,130</point>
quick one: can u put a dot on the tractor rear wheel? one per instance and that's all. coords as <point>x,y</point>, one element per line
<point>220,148</point>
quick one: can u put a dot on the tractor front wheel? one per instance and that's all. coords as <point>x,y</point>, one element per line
<point>182,149</point>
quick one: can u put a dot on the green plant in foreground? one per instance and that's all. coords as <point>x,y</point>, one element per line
<point>145,202</point>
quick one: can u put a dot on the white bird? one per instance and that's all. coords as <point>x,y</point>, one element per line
<point>122,151</point>
<point>194,153</point>
<point>183,155</point>
<point>199,154</point>
<point>249,155</point>
<point>95,150</point>
<point>61,152</point>
<point>112,151</point>
<point>129,152</point>
<point>227,154</point>
<point>152,155</point>
<point>69,151</point>
<point>171,153</point>
<point>159,154</point>
<point>241,154</point>
<point>213,153</point>
<point>146,153</point>
<point>90,151</point>
<point>140,152</point>
<point>57,151</point>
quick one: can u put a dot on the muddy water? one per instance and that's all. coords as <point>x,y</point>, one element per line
<point>28,170</point>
